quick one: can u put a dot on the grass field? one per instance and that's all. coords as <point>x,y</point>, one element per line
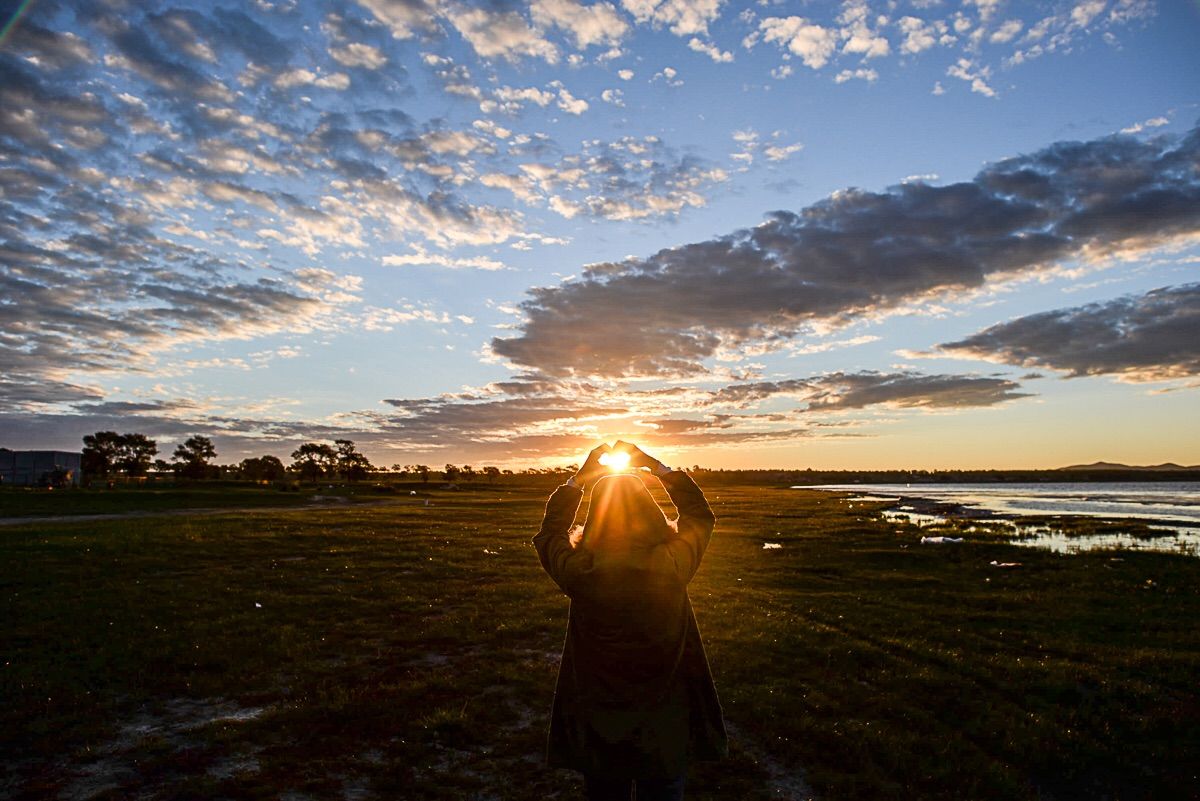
<point>409,651</point>
<point>31,502</point>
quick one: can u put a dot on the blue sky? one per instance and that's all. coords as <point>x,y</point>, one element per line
<point>861,234</point>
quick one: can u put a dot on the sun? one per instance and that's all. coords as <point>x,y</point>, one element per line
<point>615,462</point>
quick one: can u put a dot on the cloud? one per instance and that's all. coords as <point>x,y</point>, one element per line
<point>511,99</point>
<point>358,54</point>
<point>404,18</point>
<point>966,70</point>
<point>421,257</point>
<point>711,50</point>
<point>501,34</point>
<point>1006,32</point>
<point>683,17</point>
<point>1150,337</point>
<point>814,44</point>
<point>613,96</point>
<point>568,102</point>
<point>531,411</point>
<point>856,31</point>
<point>455,78</point>
<point>141,54</point>
<point>870,76</point>
<point>1153,122</point>
<point>921,35</point>
<point>597,24</point>
<point>861,254</point>
<point>303,77</point>
<point>846,391</point>
<point>50,49</point>
<point>632,178</point>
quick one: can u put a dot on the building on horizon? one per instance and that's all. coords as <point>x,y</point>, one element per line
<point>40,468</point>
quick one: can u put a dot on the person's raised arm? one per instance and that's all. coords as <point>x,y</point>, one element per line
<point>696,519</point>
<point>553,540</point>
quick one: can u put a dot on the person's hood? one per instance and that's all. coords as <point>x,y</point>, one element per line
<point>623,517</point>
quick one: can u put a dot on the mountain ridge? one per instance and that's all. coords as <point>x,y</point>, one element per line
<point>1165,466</point>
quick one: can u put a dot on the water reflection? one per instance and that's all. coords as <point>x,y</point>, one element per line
<point>1174,501</point>
<point>1184,541</point>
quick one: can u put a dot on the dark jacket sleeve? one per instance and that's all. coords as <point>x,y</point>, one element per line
<point>696,523</point>
<point>553,540</point>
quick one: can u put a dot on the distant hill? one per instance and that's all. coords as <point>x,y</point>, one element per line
<point>1116,466</point>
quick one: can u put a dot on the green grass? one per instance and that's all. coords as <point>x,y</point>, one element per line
<point>38,502</point>
<point>410,652</point>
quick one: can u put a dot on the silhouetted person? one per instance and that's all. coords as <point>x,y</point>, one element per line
<point>635,700</point>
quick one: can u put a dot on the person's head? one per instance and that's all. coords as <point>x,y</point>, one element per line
<point>623,515</point>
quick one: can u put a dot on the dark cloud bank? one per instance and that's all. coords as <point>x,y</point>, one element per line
<point>860,253</point>
<point>1150,337</point>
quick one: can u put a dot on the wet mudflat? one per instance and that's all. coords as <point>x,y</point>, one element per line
<point>409,651</point>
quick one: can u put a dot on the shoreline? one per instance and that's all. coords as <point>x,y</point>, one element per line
<point>924,504</point>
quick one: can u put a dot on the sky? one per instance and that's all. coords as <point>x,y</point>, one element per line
<point>921,234</point>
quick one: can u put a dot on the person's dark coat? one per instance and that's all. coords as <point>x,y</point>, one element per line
<point>635,697</point>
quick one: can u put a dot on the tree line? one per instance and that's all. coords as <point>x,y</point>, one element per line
<point>107,454</point>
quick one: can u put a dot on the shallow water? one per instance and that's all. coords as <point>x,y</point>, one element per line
<point>1174,504</point>
<point>1174,501</point>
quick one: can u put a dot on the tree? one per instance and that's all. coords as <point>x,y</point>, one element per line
<point>352,464</point>
<point>262,468</point>
<point>100,451</point>
<point>423,471</point>
<point>468,472</point>
<point>193,456</point>
<point>312,460</point>
<point>491,473</point>
<point>107,451</point>
<point>135,454</point>
<point>451,472</point>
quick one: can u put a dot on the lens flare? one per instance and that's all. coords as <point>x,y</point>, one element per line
<point>615,462</point>
<point>7,30</point>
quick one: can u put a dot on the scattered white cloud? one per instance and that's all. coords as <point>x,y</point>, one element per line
<point>1006,32</point>
<point>303,77</point>
<point>857,33</point>
<point>814,44</point>
<point>421,257</point>
<point>711,50</point>
<point>668,75</point>
<point>920,35</point>
<point>613,96</point>
<point>501,34</point>
<point>781,152</point>
<point>683,17</point>
<point>357,54</point>
<point>966,70</point>
<point>860,74</point>
<point>1153,122</point>
<point>597,24</point>
<point>567,101</point>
